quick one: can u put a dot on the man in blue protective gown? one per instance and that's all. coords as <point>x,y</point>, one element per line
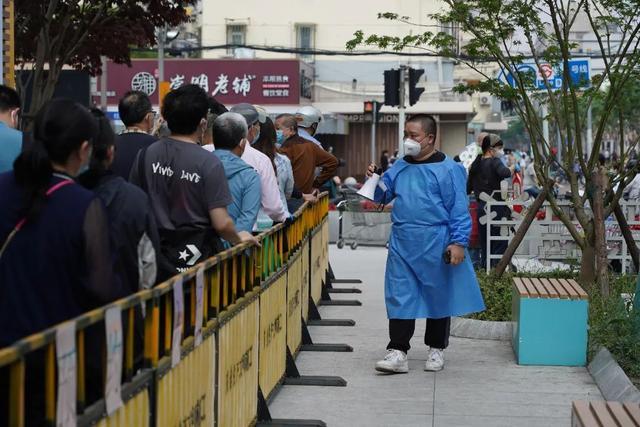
<point>429,273</point>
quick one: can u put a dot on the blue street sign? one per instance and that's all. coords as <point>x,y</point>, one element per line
<point>579,74</point>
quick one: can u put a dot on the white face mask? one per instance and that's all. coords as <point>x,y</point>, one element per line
<point>500,152</point>
<point>411,148</point>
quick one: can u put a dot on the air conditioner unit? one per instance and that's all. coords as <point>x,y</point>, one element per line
<point>485,99</point>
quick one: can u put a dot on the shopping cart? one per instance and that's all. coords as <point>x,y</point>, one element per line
<point>361,222</point>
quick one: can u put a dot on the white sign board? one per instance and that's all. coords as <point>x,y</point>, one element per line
<point>115,346</point>
<point>178,321</point>
<point>199,305</point>
<point>67,371</point>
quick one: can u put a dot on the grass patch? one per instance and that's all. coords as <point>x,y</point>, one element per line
<point>612,323</point>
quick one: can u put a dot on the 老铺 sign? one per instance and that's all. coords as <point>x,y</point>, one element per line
<point>230,81</point>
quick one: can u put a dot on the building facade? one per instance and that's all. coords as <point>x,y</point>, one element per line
<point>341,83</point>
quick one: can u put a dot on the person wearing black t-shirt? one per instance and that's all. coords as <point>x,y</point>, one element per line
<point>138,116</point>
<point>187,186</point>
<point>485,175</point>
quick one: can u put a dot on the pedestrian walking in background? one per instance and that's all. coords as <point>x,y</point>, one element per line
<point>485,174</point>
<point>384,161</point>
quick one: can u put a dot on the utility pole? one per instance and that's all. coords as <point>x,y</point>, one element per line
<point>401,115</point>
<point>103,84</point>
<point>374,117</point>
<point>162,36</point>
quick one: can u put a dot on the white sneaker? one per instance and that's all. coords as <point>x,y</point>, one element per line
<point>435,360</point>
<point>394,362</point>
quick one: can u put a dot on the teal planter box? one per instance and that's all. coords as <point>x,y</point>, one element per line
<point>550,322</point>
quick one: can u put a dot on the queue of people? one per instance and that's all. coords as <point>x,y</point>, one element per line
<point>89,216</point>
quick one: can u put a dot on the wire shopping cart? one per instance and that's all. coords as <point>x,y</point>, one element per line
<point>361,222</point>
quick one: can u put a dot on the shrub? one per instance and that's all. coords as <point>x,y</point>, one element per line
<point>612,321</point>
<point>615,325</point>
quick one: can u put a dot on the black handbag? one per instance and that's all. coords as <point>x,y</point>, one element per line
<point>182,248</point>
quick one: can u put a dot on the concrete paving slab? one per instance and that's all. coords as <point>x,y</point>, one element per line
<point>480,386</point>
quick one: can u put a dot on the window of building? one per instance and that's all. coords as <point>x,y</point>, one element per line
<point>236,34</point>
<point>452,29</point>
<point>305,39</point>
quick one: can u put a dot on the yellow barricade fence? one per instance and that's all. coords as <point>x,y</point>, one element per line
<point>294,302</point>
<point>306,279</point>
<point>195,350</point>
<point>319,255</point>
<point>273,330</point>
<point>238,366</point>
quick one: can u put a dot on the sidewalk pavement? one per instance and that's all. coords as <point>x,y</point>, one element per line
<point>481,384</point>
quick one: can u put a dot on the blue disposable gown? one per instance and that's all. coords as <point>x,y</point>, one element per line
<point>430,211</point>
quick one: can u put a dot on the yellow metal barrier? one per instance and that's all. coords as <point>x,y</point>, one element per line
<point>316,267</point>
<point>136,412</point>
<point>238,367</point>
<point>273,333</point>
<point>306,279</point>
<point>294,302</point>
<point>253,300</point>
<point>186,392</point>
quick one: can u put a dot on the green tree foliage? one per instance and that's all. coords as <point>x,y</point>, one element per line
<point>51,34</point>
<point>510,32</point>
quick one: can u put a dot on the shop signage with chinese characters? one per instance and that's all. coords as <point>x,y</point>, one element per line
<point>230,80</point>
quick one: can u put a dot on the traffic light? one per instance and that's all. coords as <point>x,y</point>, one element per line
<point>373,108</point>
<point>414,92</point>
<point>392,88</point>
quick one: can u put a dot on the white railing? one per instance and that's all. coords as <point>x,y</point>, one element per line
<point>549,239</point>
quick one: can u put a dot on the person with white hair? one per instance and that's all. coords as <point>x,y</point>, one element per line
<point>272,206</point>
<point>229,132</point>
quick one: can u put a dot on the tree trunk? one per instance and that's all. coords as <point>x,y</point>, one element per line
<point>628,236</point>
<point>600,243</point>
<point>587,267</point>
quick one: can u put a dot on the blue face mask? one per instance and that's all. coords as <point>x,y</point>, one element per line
<point>279,137</point>
<point>85,168</point>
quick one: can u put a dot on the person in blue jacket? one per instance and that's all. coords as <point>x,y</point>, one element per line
<point>429,273</point>
<point>230,137</point>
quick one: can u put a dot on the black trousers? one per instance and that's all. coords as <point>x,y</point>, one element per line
<point>401,331</point>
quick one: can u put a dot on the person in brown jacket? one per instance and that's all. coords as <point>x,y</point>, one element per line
<point>305,156</point>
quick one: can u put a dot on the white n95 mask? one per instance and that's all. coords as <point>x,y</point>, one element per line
<point>411,148</point>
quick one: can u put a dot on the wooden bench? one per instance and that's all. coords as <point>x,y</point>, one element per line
<point>605,414</point>
<point>550,322</point>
